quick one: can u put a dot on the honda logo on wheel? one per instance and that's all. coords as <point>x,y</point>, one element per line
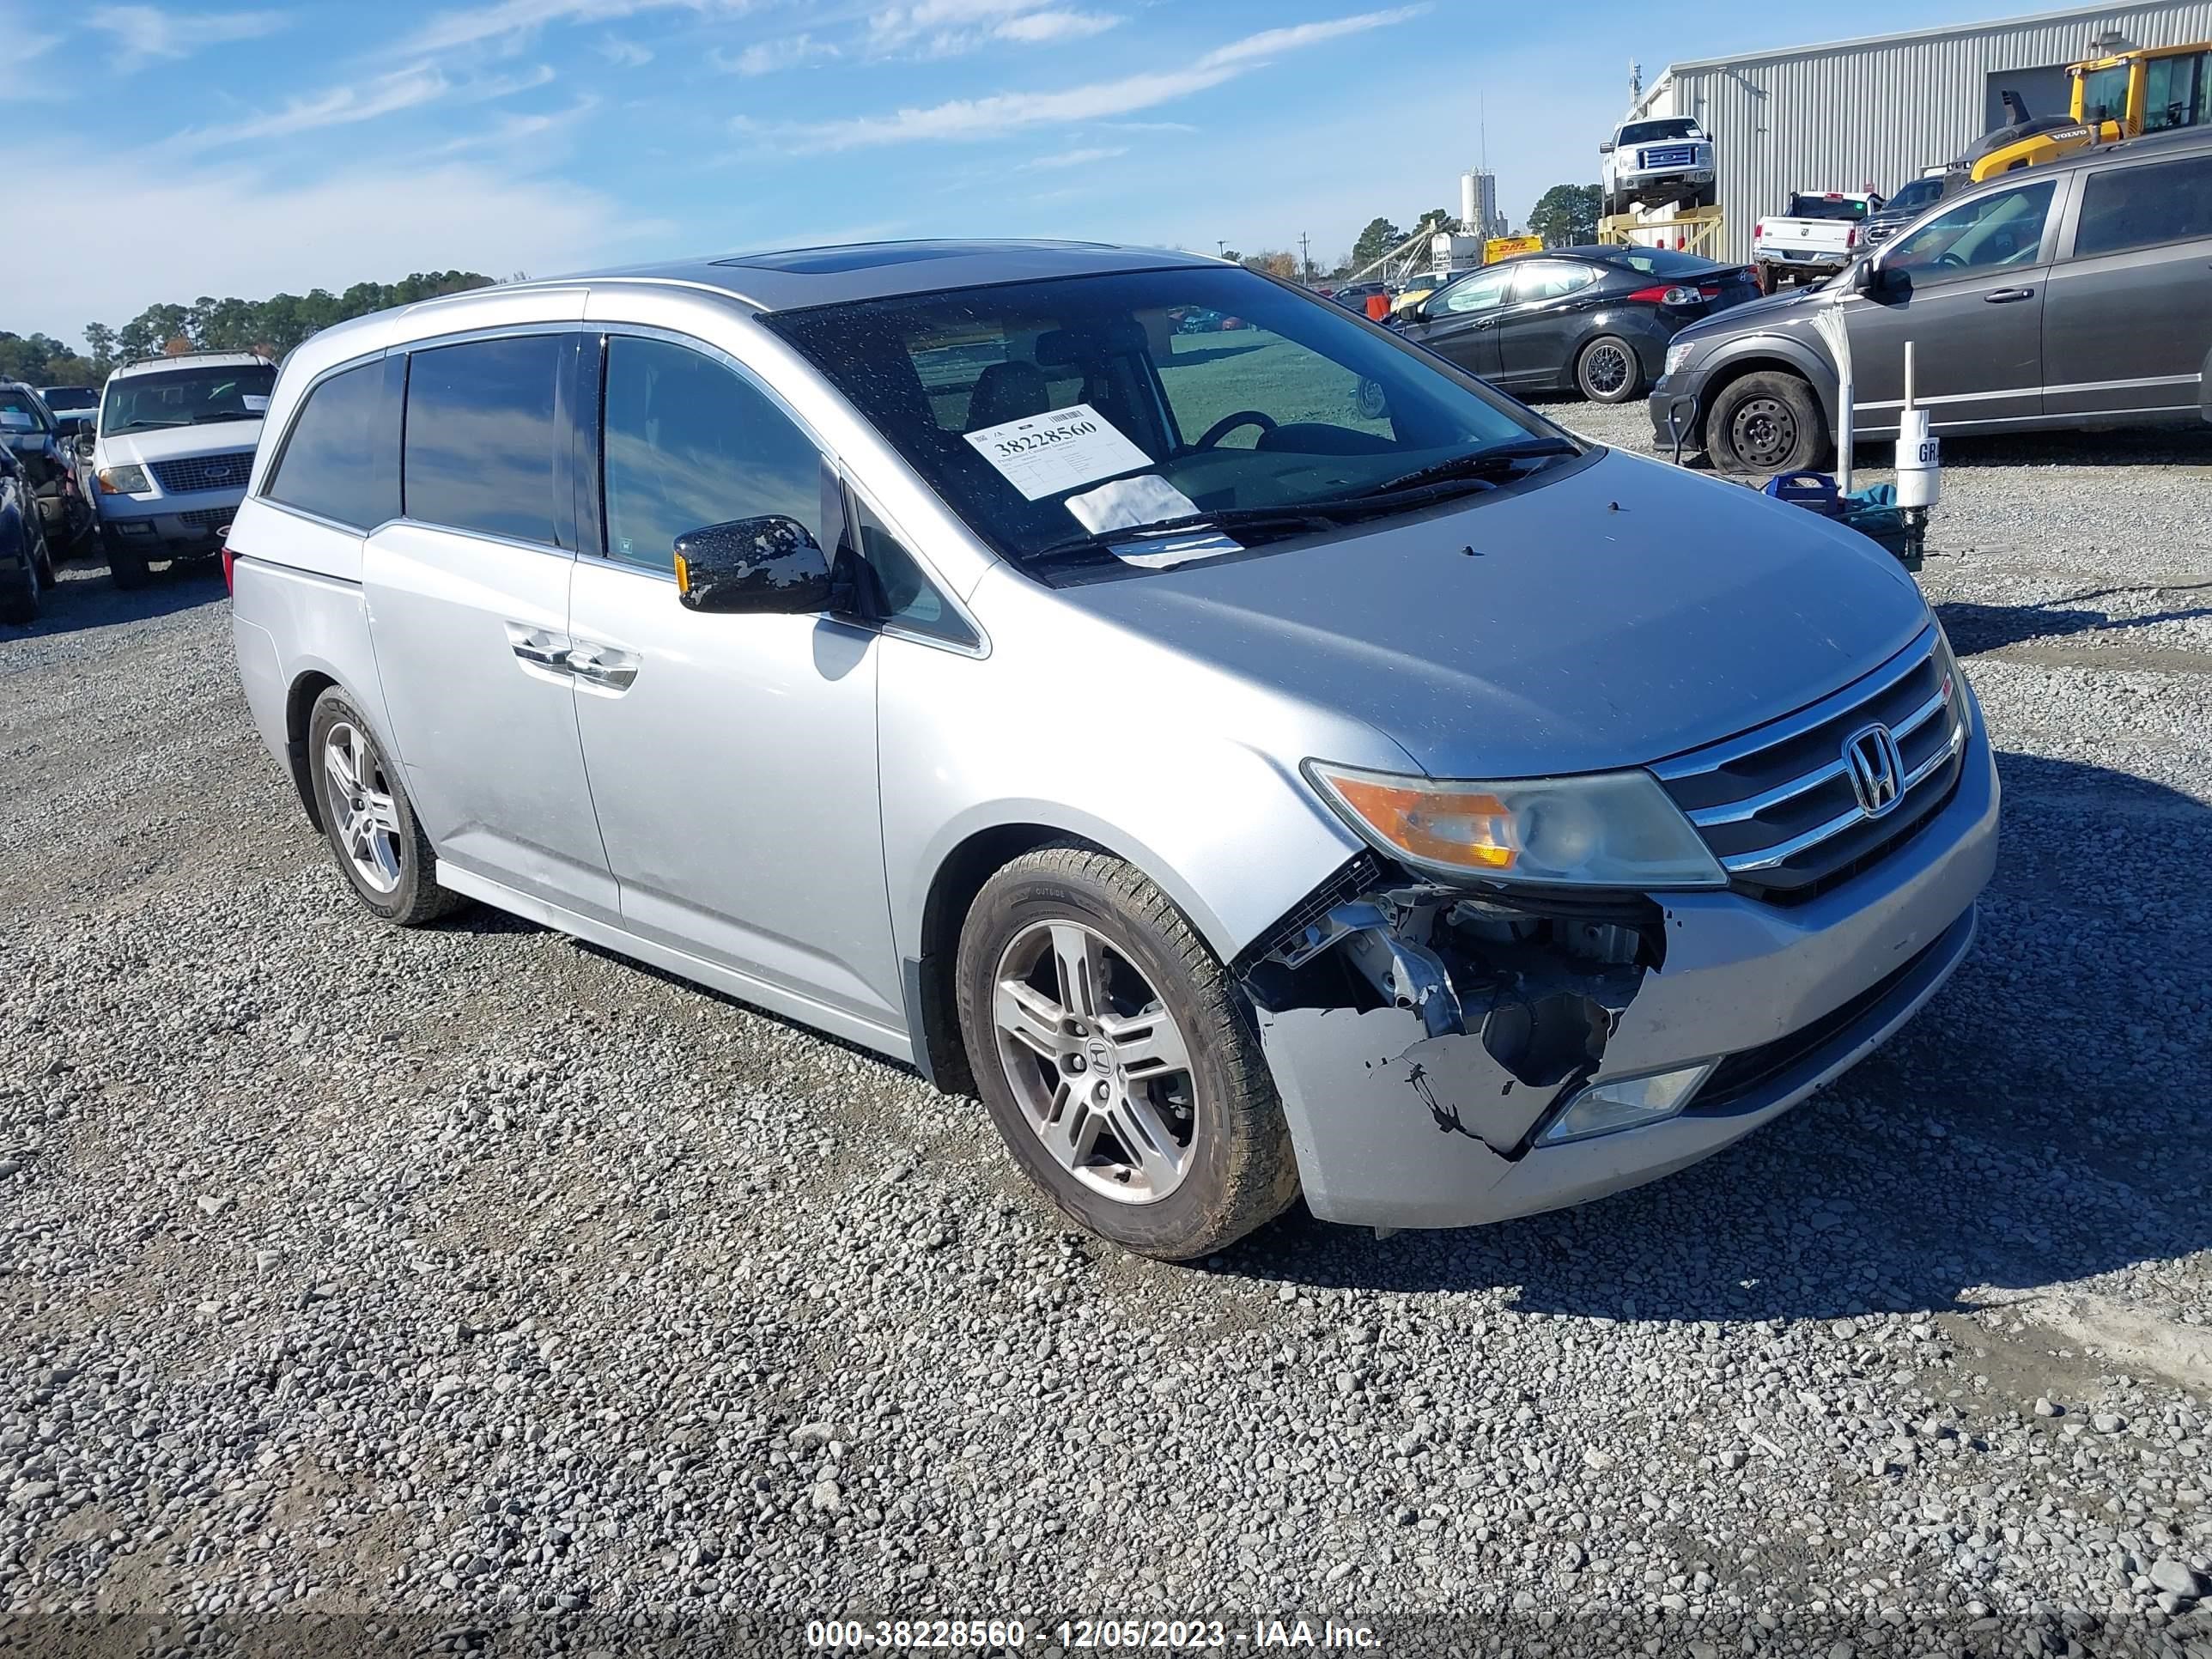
<point>1877,770</point>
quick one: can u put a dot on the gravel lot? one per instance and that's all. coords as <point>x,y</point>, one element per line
<point>450,1277</point>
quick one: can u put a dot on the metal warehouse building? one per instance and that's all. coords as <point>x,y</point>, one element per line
<point>1873,113</point>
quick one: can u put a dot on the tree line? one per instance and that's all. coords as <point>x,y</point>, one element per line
<point>273,325</point>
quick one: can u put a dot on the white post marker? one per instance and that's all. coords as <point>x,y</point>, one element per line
<point>1919,472</point>
<point>1831,323</point>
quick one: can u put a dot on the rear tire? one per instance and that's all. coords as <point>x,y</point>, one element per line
<point>1141,1058</point>
<point>367,819</point>
<point>1608,371</point>
<point>1764,424</point>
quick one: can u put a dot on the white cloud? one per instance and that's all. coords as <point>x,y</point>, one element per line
<point>625,54</point>
<point>511,22</point>
<point>145,32</point>
<point>1074,158</point>
<point>17,78</point>
<point>1038,27</point>
<point>344,106</point>
<point>970,119</point>
<point>944,29</point>
<point>342,229</point>
<point>766,57</point>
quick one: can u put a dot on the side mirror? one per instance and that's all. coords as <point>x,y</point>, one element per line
<point>68,427</point>
<point>1606,147</point>
<point>85,443</point>
<point>766,565</point>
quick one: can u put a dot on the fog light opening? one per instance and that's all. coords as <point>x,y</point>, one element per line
<point>1627,1103</point>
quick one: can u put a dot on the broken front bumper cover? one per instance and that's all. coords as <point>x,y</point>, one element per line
<point>1428,1111</point>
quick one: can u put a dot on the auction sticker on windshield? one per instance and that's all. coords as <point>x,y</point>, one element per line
<point>1044,454</point>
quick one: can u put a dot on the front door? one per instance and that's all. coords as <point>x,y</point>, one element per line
<point>733,757</point>
<point>468,606</point>
<point>1460,322</point>
<point>2128,326</point>
<point>1545,315</point>
<point>1967,288</point>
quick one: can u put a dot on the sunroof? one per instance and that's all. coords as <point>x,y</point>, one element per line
<point>826,261</point>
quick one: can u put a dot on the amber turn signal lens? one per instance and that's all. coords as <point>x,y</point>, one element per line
<point>1473,831</point>
<point>682,575</point>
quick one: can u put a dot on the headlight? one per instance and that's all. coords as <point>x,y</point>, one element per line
<point>1606,830</point>
<point>1677,354</point>
<point>126,480</point>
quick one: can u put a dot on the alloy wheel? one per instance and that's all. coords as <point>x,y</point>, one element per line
<point>1098,1065</point>
<point>1605,370</point>
<point>361,805</point>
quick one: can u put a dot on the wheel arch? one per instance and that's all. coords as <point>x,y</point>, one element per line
<point>979,853</point>
<point>307,686</point>
<point>1761,357</point>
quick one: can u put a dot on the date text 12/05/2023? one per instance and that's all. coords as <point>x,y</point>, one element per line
<point>1106,1635</point>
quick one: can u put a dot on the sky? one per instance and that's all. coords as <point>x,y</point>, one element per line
<point>225,150</point>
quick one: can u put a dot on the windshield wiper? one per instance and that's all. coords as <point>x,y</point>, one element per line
<point>224,415</point>
<point>1099,546</point>
<point>1477,464</point>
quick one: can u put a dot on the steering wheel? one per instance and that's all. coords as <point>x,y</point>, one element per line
<point>1950,261</point>
<point>1228,423</point>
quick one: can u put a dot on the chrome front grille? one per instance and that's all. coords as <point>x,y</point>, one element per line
<point>1781,807</point>
<point>192,472</point>
<point>1667,155</point>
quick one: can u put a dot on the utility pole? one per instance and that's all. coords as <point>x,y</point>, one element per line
<point>1220,245</point>
<point>1305,261</point>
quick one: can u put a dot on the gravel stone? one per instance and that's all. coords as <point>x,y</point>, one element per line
<point>543,1283</point>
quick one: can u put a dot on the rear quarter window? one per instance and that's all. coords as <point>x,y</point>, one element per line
<point>341,461</point>
<point>2124,208</point>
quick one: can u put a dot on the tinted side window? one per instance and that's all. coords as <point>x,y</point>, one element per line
<point>337,463</point>
<point>1483,293</point>
<point>690,443</point>
<point>2140,207</point>
<point>1550,282</point>
<point>1987,234</point>
<point>481,435</point>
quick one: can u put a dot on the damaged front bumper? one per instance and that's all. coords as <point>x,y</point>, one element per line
<point>1422,1043</point>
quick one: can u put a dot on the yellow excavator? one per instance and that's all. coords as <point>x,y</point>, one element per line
<point>2151,89</point>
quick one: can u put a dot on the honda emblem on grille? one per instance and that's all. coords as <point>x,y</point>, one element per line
<point>1877,770</point>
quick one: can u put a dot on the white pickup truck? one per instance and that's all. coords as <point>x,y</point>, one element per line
<point>1817,237</point>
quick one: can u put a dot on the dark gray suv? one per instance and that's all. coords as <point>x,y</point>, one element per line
<point>2073,295</point>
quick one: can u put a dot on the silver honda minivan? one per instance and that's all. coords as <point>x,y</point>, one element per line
<point>1250,753</point>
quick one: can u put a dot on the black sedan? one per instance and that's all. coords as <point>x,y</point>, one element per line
<point>1590,320</point>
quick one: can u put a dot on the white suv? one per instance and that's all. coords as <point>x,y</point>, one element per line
<point>1657,163</point>
<point>175,447</point>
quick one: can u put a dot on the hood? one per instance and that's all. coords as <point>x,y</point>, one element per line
<point>167,443</point>
<point>1609,618</point>
<point>1767,308</point>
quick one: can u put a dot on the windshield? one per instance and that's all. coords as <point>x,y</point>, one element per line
<point>61,399</point>
<point>1916,195</point>
<point>1826,207</point>
<point>2104,94</point>
<point>1651,132</point>
<point>1019,402</point>
<point>187,396</point>
<point>19,412</point>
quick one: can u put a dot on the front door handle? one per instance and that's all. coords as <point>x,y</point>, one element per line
<point>538,647</point>
<point>1487,322</point>
<point>2005,296</point>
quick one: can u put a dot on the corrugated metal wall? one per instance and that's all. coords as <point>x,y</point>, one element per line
<point>1875,114</point>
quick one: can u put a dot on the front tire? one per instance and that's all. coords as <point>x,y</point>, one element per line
<point>1116,1058</point>
<point>1608,371</point>
<point>368,820</point>
<point>1764,424</point>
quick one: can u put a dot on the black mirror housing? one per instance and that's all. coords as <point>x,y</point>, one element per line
<point>67,427</point>
<point>765,565</point>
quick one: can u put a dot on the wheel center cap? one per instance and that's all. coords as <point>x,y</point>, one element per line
<point>1100,1055</point>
